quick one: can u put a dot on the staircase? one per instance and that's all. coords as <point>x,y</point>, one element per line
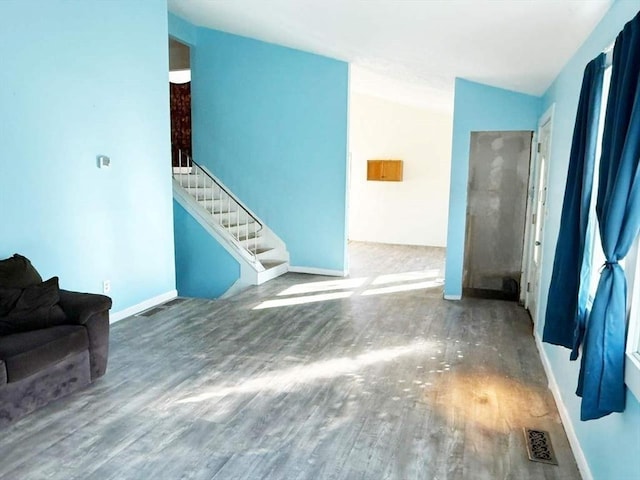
<point>262,255</point>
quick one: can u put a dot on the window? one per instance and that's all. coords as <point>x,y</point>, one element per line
<point>598,258</point>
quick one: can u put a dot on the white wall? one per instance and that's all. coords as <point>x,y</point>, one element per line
<point>411,212</point>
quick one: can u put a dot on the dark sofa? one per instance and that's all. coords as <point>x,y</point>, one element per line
<point>52,341</point>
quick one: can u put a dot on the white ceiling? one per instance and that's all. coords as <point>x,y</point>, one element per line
<point>411,50</point>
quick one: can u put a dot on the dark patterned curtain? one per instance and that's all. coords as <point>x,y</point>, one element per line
<point>180,120</point>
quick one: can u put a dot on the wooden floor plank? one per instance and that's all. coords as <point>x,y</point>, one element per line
<point>388,382</point>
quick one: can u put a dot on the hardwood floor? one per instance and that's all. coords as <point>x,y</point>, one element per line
<point>374,376</point>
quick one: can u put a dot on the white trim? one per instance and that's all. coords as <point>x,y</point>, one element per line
<point>318,271</point>
<point>452,297</point>
<point>180,76</point>
<point>546,118</point>
<point>632,373</point>
<point>574,443</point>
<point>142,306</point>
<point>632,365</point>
<point>527,243</point>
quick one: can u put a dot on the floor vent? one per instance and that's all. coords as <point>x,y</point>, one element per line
<point>173,302</point>
<point>539,446</point>
<point>150,312</point>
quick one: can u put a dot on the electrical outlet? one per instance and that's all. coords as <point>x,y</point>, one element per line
<point>106,286</point>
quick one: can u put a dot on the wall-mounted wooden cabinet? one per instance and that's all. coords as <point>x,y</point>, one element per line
<point>384,170</point>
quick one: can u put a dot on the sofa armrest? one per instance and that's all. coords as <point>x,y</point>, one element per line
<point>79,307</point>
<point>91,311</point>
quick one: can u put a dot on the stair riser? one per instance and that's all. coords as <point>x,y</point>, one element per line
<point>188,181</point>
<point>208,194</point>
<point>242,231</point>
<point>245,239</point>
<point>252,243</point>
<point>218,209</point>
<point>227,219</point>
<point>202,194</point>
<point>273,254</point>
<point>272,273</point>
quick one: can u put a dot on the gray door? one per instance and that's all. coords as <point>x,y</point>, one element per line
<point>496,207</point>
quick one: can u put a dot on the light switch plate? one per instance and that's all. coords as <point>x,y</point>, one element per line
<point>103,161</point>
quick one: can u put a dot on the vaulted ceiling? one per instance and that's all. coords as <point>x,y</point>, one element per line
<point>411,50</point>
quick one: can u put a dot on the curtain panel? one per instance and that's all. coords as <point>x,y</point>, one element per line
<point>568,290</point>
<point>601,381</point>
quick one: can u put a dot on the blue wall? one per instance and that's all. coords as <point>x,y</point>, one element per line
<point>182,30</point>
<point>204,269</point>
<point>477,107</point>
<point>611,444</point>
<point>80,79</point>
<point>271,123</point>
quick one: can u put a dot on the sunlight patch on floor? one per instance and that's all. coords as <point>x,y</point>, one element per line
<point>283,302</point>
<point>299,294</point>
<point>490,401</point>
<point>404,288</point>
<point>291,378</point>
<point>312,287</point>
<point>406,277</point>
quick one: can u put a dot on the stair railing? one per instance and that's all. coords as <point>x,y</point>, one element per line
<point>223,207</point>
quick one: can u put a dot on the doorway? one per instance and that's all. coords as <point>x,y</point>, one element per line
<point>180,103</point>
<point>536,215</point>
<point>496,211</point>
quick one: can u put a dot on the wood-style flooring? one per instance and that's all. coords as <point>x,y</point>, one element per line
<point>373,376</point>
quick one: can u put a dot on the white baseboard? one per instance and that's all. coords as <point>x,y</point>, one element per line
<point>576,448</point>
<point>318,271</point>
<point>142,306</point>
<point>452,297</point>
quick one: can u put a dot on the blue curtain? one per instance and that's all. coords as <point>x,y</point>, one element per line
<point>601,381</point>
<point>568,291</point>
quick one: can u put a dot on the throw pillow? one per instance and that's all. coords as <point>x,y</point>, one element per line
<point>8,299</point>
<point>33,308</point>
<point>17,272</point>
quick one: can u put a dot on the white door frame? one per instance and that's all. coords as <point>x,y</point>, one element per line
<point>527,292</point>
<point>531,195</point>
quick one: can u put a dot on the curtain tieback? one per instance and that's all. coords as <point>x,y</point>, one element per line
<point>608,264</point>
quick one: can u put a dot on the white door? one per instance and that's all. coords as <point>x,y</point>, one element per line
<point>536,214</point>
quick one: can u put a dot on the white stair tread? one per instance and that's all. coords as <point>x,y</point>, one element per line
<point>243,236</point>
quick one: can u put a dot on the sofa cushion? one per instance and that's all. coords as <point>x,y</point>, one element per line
<point>17,272</point>
<point>26,353</point>
<point>30,308</point>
